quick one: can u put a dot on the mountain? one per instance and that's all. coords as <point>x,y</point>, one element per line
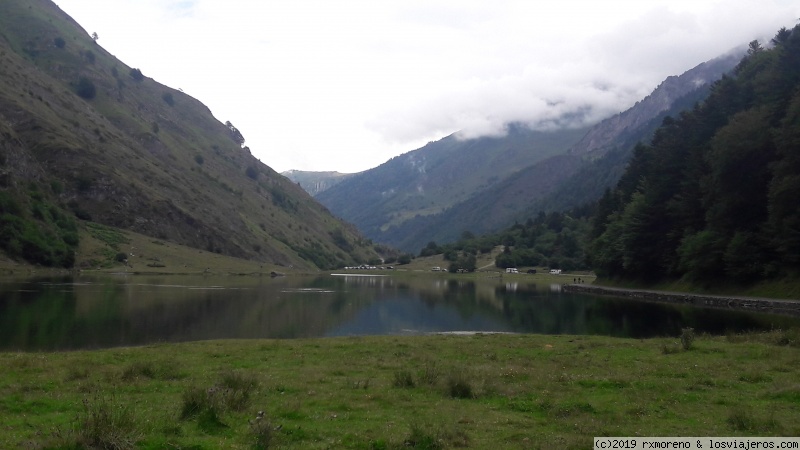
<point>606,148</point>
<point>624,129</point>
<point>441,174</point>
<point>558,180</point>
<point>713,198</point>
<point>316,182</point>
<point>89,140</point>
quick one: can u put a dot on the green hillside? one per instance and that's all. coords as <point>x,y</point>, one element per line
<point>87,139</point>
<point>714,198</point>
<point>437,176</point>
<point>483,185</point>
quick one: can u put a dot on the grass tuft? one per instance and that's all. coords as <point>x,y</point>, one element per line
<point>403,379</point>
<point>261,430</point>
<point>232,393</point>
<point>687,338</point>
<point>742,420</point>
<point>105,423</point>
<point>423,439</point>
<point>429,374</point>
<point>458,385</point>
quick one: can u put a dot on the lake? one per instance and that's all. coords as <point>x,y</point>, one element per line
<point>87,311</point>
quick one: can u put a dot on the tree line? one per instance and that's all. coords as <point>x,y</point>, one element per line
<point>714,196</point>
<point>554,239</point>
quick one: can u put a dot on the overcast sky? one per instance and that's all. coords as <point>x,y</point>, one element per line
<point>346,85</point>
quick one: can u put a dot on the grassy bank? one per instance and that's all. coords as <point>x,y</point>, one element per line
<point>787,287</point>
<point>444,391</point>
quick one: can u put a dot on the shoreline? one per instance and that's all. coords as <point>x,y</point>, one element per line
<point>788,307</point>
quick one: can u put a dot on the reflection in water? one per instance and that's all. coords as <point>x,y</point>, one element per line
<point>91,312</point>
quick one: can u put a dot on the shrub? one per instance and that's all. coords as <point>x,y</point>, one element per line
<point>252,172</point>
<point>195,400</point>
<point>231,393</point>
<point>261,429</point>
<point>236,390</point>
<point>167,97</point>
<point>198,158</point>
<point>56,187</point>
<point>458,386</point>
<point>86,88</point>
<point>403,379</point>
<point>687,338</point>
<point>104,424</point>
<point>137,75</point>
<point>59,42</point>
<point>422,439</point>
<point>429,374</point>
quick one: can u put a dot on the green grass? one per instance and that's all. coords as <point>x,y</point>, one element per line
<point>481,391</point>
<point>786,287</point>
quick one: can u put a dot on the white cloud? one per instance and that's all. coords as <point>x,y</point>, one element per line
<point>321,85</point>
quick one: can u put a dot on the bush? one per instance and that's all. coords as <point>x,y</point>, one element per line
<point>104,424</point>
<point>59,42</point>
<point>252,172</point>
<point>261,430</point>
<point>167,97</point>
<point>86,88</point>
<point>35,241</point>
<point>458,386</point>
<point>429,374</point>
<point>403,379</point>
<point>687,338</point>
<point>198,158</point>
<point>231,393</point>
<point>137,75</point>
<point>423,439</point>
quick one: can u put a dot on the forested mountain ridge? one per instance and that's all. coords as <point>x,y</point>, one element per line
<point>564,181</point>
<point>87,139</point>
<point>715,195</point>
<point>428,180</point>
<point>607,147</point>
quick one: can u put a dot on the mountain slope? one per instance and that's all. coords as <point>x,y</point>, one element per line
<point>316,182</point>
<point>713,197</point>
<point>86,135</point>
<point>437,176</point>
<point>564,181</point>
<point>623,129</point>
<point>607,146</point>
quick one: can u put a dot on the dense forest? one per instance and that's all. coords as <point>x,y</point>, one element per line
<point>714,196</point>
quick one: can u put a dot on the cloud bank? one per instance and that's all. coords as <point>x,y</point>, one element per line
<point>320,85</point>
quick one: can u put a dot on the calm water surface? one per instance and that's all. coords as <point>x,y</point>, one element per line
<point>95,312</point>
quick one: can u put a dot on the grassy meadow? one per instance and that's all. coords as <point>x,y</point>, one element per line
<point>436,391</point>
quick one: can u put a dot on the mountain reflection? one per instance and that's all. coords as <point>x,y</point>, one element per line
<point>95,312</point>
